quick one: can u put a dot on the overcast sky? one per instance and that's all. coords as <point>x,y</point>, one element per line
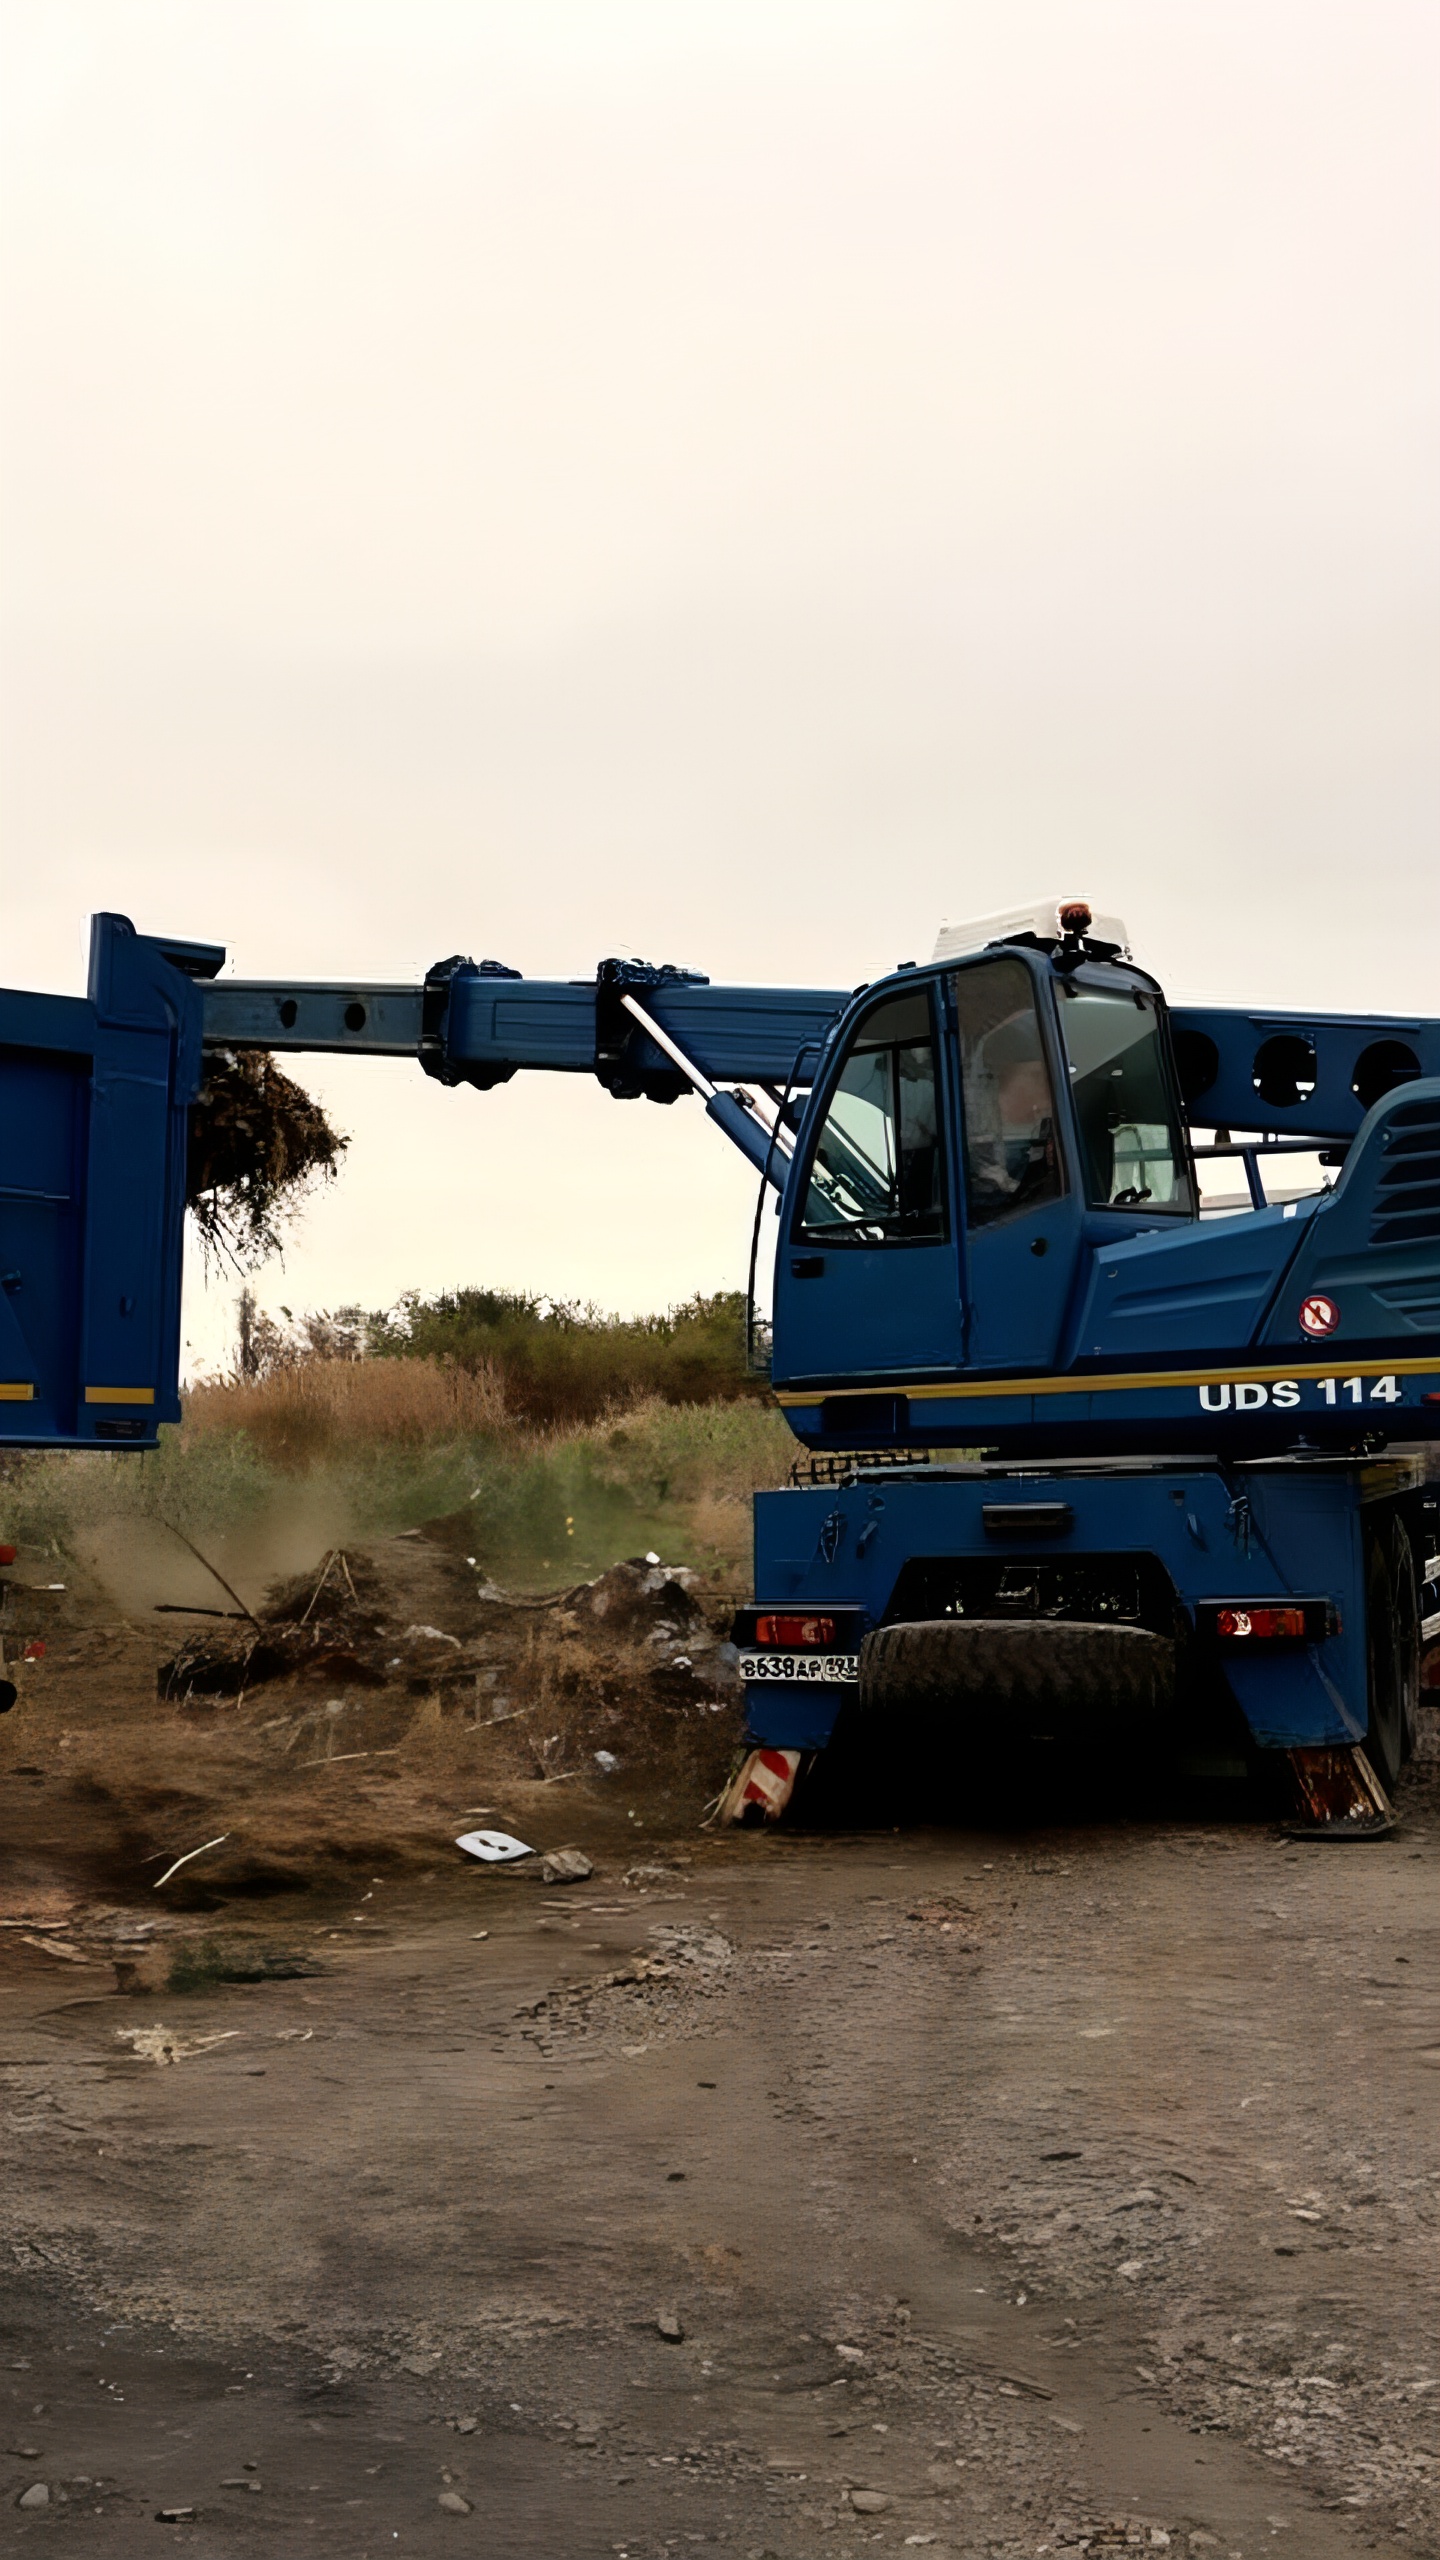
<point>729,480</point>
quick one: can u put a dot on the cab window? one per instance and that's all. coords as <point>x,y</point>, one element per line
<point>877,1174</point>
<point>1012,1158</point>
<point>1130,1140</point>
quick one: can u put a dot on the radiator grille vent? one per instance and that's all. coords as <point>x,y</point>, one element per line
<point>1407,1194</point>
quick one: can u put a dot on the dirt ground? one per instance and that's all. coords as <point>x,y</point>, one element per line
<point>976,2189</point>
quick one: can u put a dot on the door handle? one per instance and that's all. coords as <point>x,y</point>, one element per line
<point>808,1266</point>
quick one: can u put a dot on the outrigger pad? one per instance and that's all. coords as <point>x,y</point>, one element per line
<point>1340,1797</point>
<point>761,1787</point>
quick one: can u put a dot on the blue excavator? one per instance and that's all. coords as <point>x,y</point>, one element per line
<point>1079,1449</point>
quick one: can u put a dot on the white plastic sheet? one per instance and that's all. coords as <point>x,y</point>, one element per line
<point>497,1848</point>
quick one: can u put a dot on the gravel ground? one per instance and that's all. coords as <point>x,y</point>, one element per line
<point>966,2191</point>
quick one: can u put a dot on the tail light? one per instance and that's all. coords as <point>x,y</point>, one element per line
<point>1264,1625</point>
<point>1267,1621</point>
<point>793,1632</point>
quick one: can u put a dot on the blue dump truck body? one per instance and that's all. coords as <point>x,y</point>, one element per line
<point>95,1093</point>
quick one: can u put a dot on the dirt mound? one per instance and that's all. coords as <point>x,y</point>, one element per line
<point>369,1712</point>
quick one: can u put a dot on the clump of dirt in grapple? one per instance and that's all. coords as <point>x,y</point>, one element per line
<point>258,1142</point>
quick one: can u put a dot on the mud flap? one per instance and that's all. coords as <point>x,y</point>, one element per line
<point>761,1787</point>
<point>1338,1796</point>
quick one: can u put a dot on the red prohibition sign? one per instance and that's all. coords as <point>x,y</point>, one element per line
<point>1319,1316</point>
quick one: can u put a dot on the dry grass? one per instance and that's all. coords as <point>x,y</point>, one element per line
<point>298,1415</point>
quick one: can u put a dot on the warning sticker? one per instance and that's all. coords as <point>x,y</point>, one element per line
<point>1319,1316</point>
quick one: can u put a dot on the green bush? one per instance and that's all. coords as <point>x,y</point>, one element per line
<point>563,1363</point>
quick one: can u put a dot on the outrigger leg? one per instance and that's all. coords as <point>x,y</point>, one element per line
<point>1338,1796</point>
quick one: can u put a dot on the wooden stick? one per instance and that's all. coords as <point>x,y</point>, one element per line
<point>320,1585</point>
<point>185,1861</point>
<point>212,1570</point>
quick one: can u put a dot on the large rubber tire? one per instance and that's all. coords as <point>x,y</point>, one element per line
<point>1385,1732</point>
<point>1015,1675</point>
<point>1407,1636</point>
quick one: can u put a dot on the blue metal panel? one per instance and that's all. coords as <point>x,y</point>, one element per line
<point>1371,1252</point>
<point>521,1022</point>
<point>1225,1056</point>
<point>94,1099</point>
<point>493,1020</point>
<point>282,1013</point>
<point>1247,1533</point>
<point>42,1152</point>
<point>1202,1290</point>
<point>867,1312</point>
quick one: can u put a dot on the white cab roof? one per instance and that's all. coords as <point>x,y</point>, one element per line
<point>1040,917</point>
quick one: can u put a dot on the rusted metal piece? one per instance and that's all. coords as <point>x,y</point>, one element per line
<point>1339,1796</point>
<point>761,1788</point>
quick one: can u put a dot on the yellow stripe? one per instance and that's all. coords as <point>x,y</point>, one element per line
<point>119,1395</point>
<point>1124,1381</point>
<point>15,1392</point>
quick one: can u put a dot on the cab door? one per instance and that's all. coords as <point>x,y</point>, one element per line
<point>1021,1217</point>
<point>867,1281</point>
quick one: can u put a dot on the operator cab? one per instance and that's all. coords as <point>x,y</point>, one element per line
<point>974,1129</point>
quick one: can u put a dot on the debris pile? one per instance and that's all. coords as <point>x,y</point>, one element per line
<point>330,1629</point>
<point>399,1661</point>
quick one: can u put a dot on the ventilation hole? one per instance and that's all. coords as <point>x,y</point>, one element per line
<point>289,1014</point>
<point>1197,1063</point>
<point>1284,1072</point>
<point>1380,1068</point>
<point>354,1017</point>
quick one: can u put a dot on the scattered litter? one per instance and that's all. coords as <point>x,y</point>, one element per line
<point>178,1863</point>
<point>480,1933</point>
<point>606,1762</point>
<point>565,1866</point>
<point>174,2515</point>
<point>496,1848</point>
<point>430,1635</point>
<point>157,2044</point>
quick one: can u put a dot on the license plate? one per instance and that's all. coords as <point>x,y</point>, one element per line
<point>800,1666</point>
